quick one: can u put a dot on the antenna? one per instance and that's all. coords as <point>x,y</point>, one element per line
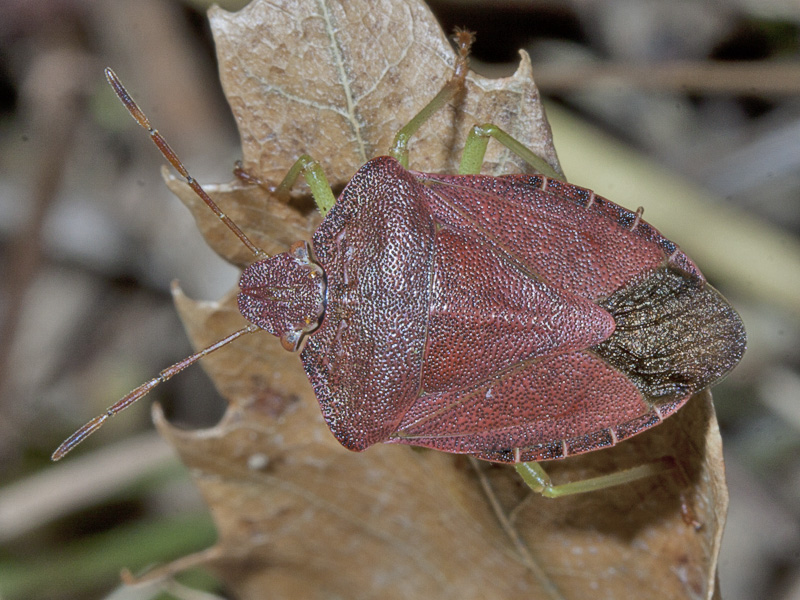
<point>165,149</point>
<point>173,159</point>
<point>134,395</point>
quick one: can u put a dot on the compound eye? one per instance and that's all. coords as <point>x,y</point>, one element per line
<point>291,340</point>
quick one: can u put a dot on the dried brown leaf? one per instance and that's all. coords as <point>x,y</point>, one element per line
<point>272,225</point>
<point>337,80</point>
<point>300,516</point>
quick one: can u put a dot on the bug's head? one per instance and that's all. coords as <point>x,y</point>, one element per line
<point>284,295</point>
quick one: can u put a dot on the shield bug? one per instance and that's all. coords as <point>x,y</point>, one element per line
<point>515,318</point>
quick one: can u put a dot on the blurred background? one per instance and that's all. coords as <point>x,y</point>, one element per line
<point>650,102</point>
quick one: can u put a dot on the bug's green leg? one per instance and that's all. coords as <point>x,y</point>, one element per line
<point>475,151</point>
<point>245,177</point>
<point>399,150</point>
<point>315,177</point>
<point>539,481</point>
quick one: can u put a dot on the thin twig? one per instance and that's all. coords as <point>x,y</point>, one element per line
<point>752,78</point>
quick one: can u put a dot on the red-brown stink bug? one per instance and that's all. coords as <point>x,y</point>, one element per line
<point>515,318</point>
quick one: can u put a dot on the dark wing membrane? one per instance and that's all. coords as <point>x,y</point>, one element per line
<point>675,335</point>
